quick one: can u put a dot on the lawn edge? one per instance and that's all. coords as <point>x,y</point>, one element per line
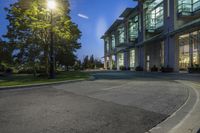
<point>44,84</point>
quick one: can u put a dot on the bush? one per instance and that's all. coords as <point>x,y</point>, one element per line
<point>26,71</point>
<point>114,68</point>
<point>31,71</point>
<point>195,69</point>
<point>2,68</point>
<point>154,69</point>
<point>9,71</point>
<point>77,67</point>
<point>139,68</point>
<point>122,68</point>
<point>166,69</point>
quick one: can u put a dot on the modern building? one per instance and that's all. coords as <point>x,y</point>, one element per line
<point>161,33</point>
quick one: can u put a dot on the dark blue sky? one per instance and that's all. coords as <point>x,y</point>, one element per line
<point>93,18</point>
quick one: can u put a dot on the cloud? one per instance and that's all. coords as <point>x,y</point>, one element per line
<point>83,16</point>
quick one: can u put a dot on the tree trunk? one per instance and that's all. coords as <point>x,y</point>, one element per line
<point>46,59</point>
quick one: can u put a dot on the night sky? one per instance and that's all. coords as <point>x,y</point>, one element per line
<point>93,18</point>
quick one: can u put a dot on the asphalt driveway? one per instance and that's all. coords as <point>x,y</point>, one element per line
<point>105,105</point>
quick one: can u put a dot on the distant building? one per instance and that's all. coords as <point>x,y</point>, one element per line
<point>161,33</point>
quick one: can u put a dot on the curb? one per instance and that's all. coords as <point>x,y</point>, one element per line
<point>183,120</point>
<point>41,84</point>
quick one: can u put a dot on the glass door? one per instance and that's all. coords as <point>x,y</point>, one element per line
<point>184,57</point>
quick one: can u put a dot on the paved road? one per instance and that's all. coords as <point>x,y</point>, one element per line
<point>116,102</point>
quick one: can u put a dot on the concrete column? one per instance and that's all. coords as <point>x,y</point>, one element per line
<point>191,50</point>
<point>110,63</point>
<point>136,56</point>
<point>126,63</point>
<point>171,52</point>
<point>198,48</point>
<point>141,56</point>
<point>105,66</point>
<point>117,61</point>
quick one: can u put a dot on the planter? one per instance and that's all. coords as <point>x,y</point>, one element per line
<point>167,69</point>
<point>194,70</point>
<point>139,68</point>
<point>154,69</point>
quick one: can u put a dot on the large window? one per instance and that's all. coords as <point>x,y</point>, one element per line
<point>132,58</point>
<point>120,59</point>
<point>133,28</point>
<point>189,50</point>
<point>113,41</point>
<point>188,7</point>
<point>121,31</point>
<point>107,45</point>
<point>196,5</point>
<point>154,14</point>
<point>184,58</point>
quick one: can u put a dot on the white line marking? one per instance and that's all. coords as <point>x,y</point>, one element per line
<point>191,111</point>
<point>174,114</point>
<point>115,87</point>
<point>155,128</point>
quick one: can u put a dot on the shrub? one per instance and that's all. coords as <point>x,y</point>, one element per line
<point>9,71</point>
<point>166,69</point>
<point>122,68</point>
<point>31,71</point>
<point>154,69</point>
<point>114,68</point>
<point>195,69</point>
<point>139,68</point>
<point>2,68</point>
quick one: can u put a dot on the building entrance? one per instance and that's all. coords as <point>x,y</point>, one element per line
<point>189,50</point>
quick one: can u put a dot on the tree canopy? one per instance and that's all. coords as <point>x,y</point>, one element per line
<point>29,30</point>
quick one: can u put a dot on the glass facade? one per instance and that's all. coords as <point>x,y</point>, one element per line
<point>154,14</point>
<point>121,31</point>
<point>120,58</point>
<point>189,50</point>
<point>133,28</point>
<point>187,7</point>
<point>132,58</point>
<point>113,41</point>
<point>107,45</point>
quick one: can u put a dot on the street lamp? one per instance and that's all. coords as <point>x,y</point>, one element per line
<point>51,5</point>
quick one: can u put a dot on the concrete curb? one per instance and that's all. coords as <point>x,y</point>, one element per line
<point>42,84</point>
<point>187,118</point>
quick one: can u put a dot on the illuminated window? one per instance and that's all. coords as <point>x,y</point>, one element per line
<point>133,28</point>
<point>154,14</point>
<point>184,58</point>
<point>121,31</point>
<point>107,45</point>
<point>121,59</point>
<point>132,58</point>
<point>187,7</point>
<point>113,41</point>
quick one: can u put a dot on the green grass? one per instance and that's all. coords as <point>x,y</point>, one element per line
<point>26,79</point>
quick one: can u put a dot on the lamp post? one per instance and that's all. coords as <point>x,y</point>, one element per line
<point>51,5</point>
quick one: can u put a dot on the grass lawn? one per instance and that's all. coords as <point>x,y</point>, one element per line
<point>26,79</point>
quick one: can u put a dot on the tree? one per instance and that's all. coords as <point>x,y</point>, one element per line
<point>5,53</point>
<point>86,62</point>
<point>29,28</point>
<point>98,63</point>
<point>91,62</point>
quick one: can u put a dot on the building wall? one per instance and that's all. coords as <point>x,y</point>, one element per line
<point>171,45</point>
